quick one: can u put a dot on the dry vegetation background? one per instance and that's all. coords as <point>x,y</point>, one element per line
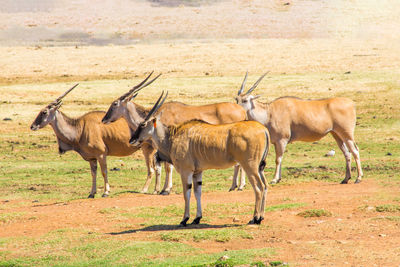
<point>313,49</point>
<point>192,38</point>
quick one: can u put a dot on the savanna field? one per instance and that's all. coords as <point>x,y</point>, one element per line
<point>313,50</point>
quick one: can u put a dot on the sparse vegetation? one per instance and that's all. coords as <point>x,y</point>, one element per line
<point>388,208</point>
<point>389,218</point>
<point>315,213</point>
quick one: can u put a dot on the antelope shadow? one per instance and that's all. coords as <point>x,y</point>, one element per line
<point>169,227</point>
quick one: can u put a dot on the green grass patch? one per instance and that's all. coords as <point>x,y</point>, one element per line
<point>74,247</point>
<point>234,258</point>
<point>388,208</point>
<point>315,213</point>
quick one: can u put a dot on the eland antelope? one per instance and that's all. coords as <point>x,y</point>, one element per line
<point>86,135</point>
<point>291,119</point>
<point>174,113</point>
<point>195,146</point>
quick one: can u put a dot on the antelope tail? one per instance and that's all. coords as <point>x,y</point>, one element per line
<point>263,163</point>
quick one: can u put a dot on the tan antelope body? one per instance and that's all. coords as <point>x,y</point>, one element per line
<point>196,146</point>
<point>174,113</point>
<point>88,136</point>
<point>291,119</point>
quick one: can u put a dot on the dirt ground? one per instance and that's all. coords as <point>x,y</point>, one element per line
<point>355,235</point>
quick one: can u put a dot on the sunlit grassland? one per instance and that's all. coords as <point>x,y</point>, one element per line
<point>32,170</point>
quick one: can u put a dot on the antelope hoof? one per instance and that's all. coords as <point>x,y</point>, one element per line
<point>357,181</point>
<point>155,192</point>
<point>274,182</point>
<point>232,189</point>
<point>345,181</point>
<point>197,220</point>
<point>164,193</point>
<point>91,196</point>
<point>240,189</point>
<point>104,195</point>
<point>256,221</point>
<point>184,222</point>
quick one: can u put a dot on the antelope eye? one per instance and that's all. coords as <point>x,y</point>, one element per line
<point>115,103</point>
<point>244,101</point>
<point>45,111</point>
<point>142,124</point>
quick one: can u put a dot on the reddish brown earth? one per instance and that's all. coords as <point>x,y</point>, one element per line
<point>355,235</point>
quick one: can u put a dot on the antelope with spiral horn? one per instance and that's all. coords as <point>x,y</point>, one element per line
<point>88,136</point>
<point>291,119</point>
<point>175,113</point>
<point>195,146</point>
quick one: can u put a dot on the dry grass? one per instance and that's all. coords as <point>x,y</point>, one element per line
<point>199,59</point>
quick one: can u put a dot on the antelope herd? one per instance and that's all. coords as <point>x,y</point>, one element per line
<point>197,138</point>
<point>174,113</point>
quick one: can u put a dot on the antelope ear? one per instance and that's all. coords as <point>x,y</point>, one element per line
<point>159,115</point>
<point>157,118</point>
<point>257,96</point>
